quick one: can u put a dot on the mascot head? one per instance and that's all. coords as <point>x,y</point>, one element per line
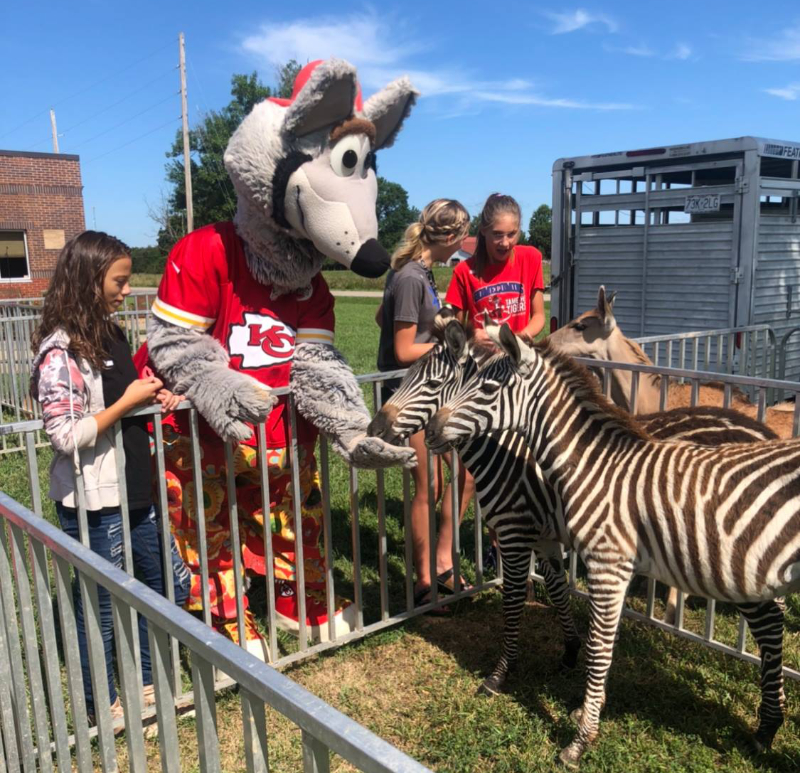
<point>304,170</point>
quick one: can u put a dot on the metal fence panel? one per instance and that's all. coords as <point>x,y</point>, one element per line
<point>325,729</point>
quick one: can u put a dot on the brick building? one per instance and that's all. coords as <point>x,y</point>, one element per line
<point>41,207</point>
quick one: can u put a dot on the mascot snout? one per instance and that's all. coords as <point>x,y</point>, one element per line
<point>371,260</point>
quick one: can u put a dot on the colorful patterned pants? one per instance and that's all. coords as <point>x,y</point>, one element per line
<point>183,517</point>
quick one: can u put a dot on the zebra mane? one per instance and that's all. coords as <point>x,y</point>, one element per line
<point>584,386</point>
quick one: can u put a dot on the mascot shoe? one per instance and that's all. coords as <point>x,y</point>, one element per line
<point>255,643</point>
<point>287,615</point>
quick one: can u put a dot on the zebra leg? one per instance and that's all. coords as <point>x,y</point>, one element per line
<point>555,580</point>
<point>670,613</point>
<point>608,584</point>
<point>515,575</point>
<point>766,624</point>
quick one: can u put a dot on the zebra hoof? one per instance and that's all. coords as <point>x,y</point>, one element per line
<point>491,687</point>
<point>570,757</point>
<point>765,735</point>
<point>569,660</point>
<point>575,716</point>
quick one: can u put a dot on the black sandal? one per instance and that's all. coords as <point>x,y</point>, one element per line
<point>445,583</point>
<point>423,596</point>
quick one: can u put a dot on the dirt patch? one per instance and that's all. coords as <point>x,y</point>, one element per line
<point>779,418</point>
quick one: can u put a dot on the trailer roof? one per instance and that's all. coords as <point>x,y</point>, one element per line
<point>764,147</point>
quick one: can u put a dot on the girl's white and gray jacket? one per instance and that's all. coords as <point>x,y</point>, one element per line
<point>71,392</point>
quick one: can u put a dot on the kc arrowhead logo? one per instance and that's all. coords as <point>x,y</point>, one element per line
<point>261,341</point>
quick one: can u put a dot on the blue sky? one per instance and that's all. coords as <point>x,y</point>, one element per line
<point>505,92</point>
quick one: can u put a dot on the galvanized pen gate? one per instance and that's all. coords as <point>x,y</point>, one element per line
<point>699,236</point>
<point>18,633</point>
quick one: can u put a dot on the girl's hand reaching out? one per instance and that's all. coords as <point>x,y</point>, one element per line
<point>169,400</point>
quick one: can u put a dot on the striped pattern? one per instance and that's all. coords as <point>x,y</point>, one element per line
<point>719,522</point>
<point>180,317</point>
<point>515,499</point>
<point>314,335</point>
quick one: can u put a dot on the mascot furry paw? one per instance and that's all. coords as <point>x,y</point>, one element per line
<point>242,308</point>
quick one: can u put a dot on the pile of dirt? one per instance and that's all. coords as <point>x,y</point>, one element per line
<point>779,418</point>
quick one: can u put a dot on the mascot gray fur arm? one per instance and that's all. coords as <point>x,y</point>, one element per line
<point>194,364</point>
<point>329,396</point>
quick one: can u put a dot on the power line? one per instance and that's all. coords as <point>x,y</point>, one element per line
<point>135,139</point>
<point>99,112</point>
<point>227,193</point>
<point>127,120</point>
<point>87,88</point>
<point>118,102</point>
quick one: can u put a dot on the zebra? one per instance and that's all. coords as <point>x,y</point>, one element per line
<point>520,514</point>
<point>721,522</point>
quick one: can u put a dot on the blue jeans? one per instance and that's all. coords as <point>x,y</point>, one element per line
<point>105,539</point>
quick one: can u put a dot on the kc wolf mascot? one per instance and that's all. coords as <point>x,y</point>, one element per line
<point>242,309</point>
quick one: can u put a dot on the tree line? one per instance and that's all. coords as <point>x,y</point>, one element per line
<point>214,199</point>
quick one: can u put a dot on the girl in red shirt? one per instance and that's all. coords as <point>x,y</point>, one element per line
<point>501,278</point>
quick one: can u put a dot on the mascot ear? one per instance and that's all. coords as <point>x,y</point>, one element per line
<point>388,109</point>
<point>326,99</point>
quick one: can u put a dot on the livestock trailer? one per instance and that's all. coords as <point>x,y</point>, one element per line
<point>698,236</point>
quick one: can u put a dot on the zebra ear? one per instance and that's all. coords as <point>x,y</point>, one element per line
<point>509,343</point>
<point>443,317</point>
<point>456,339</point>
<point>491,328</point>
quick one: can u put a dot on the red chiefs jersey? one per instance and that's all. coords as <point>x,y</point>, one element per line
<point>207,286</point>
<point>505,291</point>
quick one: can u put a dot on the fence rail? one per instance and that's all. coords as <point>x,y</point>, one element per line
<point>386,612</point>
<point>324,729</point>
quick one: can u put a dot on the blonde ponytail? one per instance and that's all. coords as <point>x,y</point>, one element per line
<point>438,223</point>
<point>410,247</point>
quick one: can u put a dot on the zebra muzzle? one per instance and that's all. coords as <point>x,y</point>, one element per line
<point>382,424</point>
<point>435,431</point>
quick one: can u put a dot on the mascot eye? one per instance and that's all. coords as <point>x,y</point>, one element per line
<point>349,159</point>
<point>348,155</point>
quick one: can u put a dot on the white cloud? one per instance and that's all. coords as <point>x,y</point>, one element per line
<point>681,51</point>
<point>790,92</point>
<point>641,50</point>
<point>432,83</point>
<point>783,47</point>
<point>579,19</point>
<point>534,99</point>
<point>360,37</point>
<point>381,51</point>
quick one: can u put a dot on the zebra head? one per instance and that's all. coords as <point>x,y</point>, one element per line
<point>495,399</point>
<point>427,385</point>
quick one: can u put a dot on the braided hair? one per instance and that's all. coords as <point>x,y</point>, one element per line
<point>441,222</point>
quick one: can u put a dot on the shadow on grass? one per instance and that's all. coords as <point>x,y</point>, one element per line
<point>656,679</point>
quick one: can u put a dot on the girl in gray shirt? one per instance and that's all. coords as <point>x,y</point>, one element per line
<point>410,304</point>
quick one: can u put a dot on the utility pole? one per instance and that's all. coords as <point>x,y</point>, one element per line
<point>187,161</point>
<point>55,132</point>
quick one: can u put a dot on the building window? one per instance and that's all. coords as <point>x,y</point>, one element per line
<point>13,256</point>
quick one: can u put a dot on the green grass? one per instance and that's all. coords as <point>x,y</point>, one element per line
<point>345,280</point>
<point>337,280</point>
<point>672,705</point>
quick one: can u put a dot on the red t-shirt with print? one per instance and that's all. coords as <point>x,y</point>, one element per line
<point>207,286</point>
<point>505,290</point>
